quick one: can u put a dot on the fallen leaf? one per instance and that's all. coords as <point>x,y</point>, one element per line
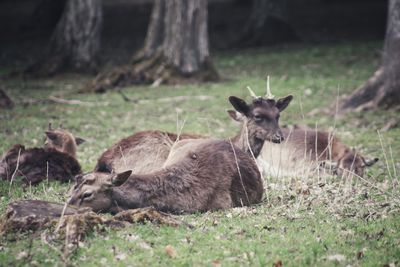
<point>336,257</point>
<point>277,263</point>
<point>170,251</point>
<point>22,254</point>
<point>121,257</point>
<point>360,255</point>
<point>216,263</point>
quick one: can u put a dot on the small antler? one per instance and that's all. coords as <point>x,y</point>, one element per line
<point>269,95</point>
<point>50,129</point>
<point>253,95</point>
<point>61,126</point>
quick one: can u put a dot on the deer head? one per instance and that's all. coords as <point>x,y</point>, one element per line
<point>62,140</point>
<point>353,162</point>
<point>261,116</point>
<point>94,190</point>
<point>260,121</point>
<point>350,162</point>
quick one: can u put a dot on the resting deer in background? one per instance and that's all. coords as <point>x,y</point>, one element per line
<point>56,161</point>
<point>198,175</point>
<point>62,140</point>
<point>305,150</point>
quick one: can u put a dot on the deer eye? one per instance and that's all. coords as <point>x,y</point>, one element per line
<point>87,195</point>
<point>258,118</point>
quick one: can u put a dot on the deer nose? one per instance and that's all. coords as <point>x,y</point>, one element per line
<point>277,138</point>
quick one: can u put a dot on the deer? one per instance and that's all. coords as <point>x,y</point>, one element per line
<point>55,161</point>
<point>198,175</point>
<point>62,140</point>
<point>308,151</point>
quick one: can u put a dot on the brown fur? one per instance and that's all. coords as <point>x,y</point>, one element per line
<point>56,161</point>
<point>37,164</point>
<point>207,178</point>
<point>147,151</point>
<point>192,175</point>
<point>306,148</point>
<point>142,152</point>
<point>260,122</point>
<point>62,140</point>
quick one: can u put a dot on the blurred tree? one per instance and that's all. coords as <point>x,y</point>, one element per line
<point>268,23</point>
<point>383,88</point>
<point>75,42</point>
<point>175,50</point>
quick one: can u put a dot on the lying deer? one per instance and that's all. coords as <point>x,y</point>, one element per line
<point>313,149</point>
<point>306,150</point>
<point>56,161</point>
<point>198,175</point>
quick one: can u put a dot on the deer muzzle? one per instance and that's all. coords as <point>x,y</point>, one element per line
<point>277,138</point>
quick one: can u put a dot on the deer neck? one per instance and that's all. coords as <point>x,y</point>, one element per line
<point>125,199</point>
<point>248,142</point>
<point>339,150</point>
<point>70,149</point>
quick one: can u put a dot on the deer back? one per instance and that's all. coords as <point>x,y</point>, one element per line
<point>142,152</point>
<point>211,175</point>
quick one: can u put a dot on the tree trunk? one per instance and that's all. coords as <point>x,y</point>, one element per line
<point>383,88</point>
<point>268,24</point>
<point>75,42</point>
<point>175,50</point>
<point>5,100</point>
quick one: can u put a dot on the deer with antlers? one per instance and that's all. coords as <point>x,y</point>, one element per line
<point>56,161</point>
<point>197,175</point>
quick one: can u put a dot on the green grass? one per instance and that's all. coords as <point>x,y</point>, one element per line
<point>338,224</point>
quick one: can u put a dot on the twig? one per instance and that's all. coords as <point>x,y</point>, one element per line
<point>123,156</point>
<point>72,102</point>
<point>61,217</point>
<point>240,175</point>
<point>62,256</point>
<point>384,154</point>
<point>178,135</point>
<point>177,98</point>
<point>126,98</point>
<point>15,171</point>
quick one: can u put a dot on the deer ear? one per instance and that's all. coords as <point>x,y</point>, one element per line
<point>235,115</point>
<point>51,135</point>
<point>370,162</point>
<point>240,105</point>
<point>79,140</point>
<point>283,102</point>
<point>120,178</point>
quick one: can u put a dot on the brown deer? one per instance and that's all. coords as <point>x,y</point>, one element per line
<point>56,161</point>
<point>148,150</point>
<point>62,140</point>
<point>306,150</point>
<point>314,149</point>
<point>198,175</point>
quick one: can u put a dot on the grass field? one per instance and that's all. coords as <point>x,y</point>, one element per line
<point>340,223</point>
